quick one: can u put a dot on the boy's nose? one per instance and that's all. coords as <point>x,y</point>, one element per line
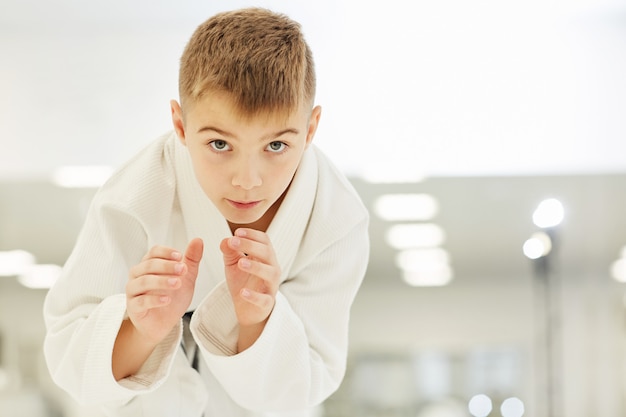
<point>247,174</point>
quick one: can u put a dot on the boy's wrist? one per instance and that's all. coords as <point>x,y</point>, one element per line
<point>131,350</point>
<point>249,334</point>
<point>138,338</point>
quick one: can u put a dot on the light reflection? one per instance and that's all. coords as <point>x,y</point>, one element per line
<point>549,213</point>
<point>537,246</point>
<point>480,405</point>
<point>512,407</point>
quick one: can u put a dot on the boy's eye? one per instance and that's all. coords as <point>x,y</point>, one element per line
<point>276,146</point>
<point>219,145</point>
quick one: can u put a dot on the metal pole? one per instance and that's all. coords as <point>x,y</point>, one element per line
<point>544,276</point>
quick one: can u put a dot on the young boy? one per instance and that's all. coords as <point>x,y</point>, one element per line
<point>215,271</point>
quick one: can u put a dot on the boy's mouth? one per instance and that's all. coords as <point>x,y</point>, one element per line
<point>243,204</point>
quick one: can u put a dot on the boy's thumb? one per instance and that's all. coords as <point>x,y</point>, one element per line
<point>194,252</point>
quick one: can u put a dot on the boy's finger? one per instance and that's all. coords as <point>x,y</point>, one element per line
<point>148,283</point>
<point>192,257</point>
<point>252,234</point>
<point>261,300</point>
<point>155,266</point>
<point>194,252</point>
<point>267,273</point>
<point>163,252</point>
<point>142,303</point>
<point>252,248</point>
<point>231,255</point>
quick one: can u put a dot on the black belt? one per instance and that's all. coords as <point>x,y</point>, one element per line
<point>194,359</point>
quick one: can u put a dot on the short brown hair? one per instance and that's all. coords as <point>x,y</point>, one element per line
<point>257,56</point>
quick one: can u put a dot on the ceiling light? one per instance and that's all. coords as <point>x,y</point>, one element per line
<point>427,267</point>
<point>416,259</point>
<point>418,235</point>
<point>14,262</point>
<point>480,405</point>
<point>618,270</point>
<point>549,213</point>
<point>435,277</point>
<point>92,176</point>
<point>537,246</point>
<point>41,276</point>
<point>406,207</point>
<point>512,407</point>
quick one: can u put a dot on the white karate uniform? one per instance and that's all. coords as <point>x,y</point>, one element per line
<point>320,236</point>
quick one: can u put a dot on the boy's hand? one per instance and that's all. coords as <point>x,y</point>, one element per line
<point>252,275</point>
<point>160,289</point>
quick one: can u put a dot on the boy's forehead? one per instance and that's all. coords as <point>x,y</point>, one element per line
<point>222,106</point>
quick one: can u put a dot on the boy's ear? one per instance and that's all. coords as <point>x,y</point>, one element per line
<point>177,120</point>
<point>314,121</point>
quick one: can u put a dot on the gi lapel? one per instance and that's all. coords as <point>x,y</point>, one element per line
<point>202,219</point>
<point>289,225</point>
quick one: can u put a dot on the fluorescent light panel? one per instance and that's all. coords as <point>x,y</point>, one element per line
<point>91,176</point>
<point>425,267</point>
<point>406,207</point>
<point>41,276</point>
<point>418,235</point>
<point>419,259</point>
<point>15,262</point>
<point>433,278</point>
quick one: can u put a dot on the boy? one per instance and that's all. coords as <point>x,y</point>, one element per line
<point>215,271</point>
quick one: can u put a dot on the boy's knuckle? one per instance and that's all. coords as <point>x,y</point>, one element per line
<point>152,265</point>
<point>138,303</point>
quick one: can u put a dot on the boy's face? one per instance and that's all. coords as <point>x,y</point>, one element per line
<point>244,165</point>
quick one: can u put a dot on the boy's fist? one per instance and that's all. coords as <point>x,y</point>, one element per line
<point>252,274</point>
<point>160,289</point>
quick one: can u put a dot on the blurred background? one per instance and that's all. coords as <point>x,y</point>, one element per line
<point>486,137</point>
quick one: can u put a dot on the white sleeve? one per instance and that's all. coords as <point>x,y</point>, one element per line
<point>79,355</point>
<point>85,308</point>
<point>300,357</point>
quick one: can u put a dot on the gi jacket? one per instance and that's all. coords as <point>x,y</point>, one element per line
<point>321,242</point>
